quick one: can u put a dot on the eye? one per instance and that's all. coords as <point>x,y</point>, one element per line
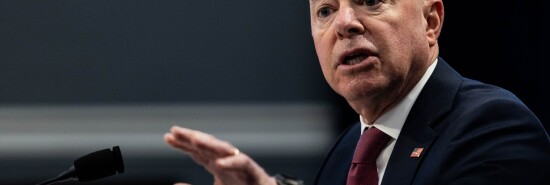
<point>324,12</point>
<point>371,2</point>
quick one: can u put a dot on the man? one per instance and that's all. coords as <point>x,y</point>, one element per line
<point>438,127</point>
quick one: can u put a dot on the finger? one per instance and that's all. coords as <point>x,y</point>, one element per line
<point>187,142</point>
<point>241,167</point>
<point>195,155</point>
<point>172,141</point>
<point>205,143</point>
<point>182,136</point>
<point>192,142</point>
<point>215,147</point>
<point>181,183</point>
<point>240,162</point>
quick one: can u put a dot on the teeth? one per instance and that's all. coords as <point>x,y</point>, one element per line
<point>356,59</point>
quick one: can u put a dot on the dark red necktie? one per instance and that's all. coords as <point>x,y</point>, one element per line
<point>363,169</point>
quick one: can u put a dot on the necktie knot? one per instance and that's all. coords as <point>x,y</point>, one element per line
<point>363,169</point>
<point>370,145</point>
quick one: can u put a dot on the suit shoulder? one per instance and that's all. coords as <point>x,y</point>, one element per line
<point>477,95</point>
<point>484,108</point>
<point>483,133</point>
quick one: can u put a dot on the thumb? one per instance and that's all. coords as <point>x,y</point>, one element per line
<point>240,162</point>
<point>181,183</point>
<point>235,162</point>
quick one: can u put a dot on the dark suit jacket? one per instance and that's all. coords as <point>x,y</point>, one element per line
<point>472,133</point>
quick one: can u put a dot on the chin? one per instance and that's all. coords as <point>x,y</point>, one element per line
<point>362,92</point>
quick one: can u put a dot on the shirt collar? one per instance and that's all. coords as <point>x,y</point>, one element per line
<point>392,121</point>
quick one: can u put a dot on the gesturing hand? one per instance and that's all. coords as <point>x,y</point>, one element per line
<point>225,162</point>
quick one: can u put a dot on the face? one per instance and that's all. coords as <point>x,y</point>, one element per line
<point>370,49</point>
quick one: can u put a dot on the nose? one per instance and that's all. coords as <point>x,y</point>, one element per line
<point>347,24</point>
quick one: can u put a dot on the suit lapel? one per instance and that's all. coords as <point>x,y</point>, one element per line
<point>401,166</point>
<point>434,101</point>
<point>336,165</point>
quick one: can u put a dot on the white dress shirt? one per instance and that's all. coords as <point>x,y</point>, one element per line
<point>392,121</point>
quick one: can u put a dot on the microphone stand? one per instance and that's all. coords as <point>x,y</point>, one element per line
<point>65,176</point>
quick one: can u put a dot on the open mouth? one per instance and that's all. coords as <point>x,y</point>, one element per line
<point>355,58</point>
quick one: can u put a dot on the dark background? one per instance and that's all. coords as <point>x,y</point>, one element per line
<point>502,43</point>
<point>75,52</point>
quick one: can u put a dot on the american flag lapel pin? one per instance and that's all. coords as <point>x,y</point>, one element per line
<point>417,152</point>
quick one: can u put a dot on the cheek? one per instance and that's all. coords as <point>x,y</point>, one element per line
<point>324,54</point>
<point>324,61</point>
<point>324,50</point>
<point>399,42</point>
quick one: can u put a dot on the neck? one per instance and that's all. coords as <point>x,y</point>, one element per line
<point>372,108</point>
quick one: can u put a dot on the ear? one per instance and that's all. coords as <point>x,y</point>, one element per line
<point>434,13</point>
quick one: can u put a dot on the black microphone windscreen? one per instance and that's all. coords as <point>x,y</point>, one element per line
<point>99,164</point>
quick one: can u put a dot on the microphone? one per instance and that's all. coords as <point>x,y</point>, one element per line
<point>96,165</point>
